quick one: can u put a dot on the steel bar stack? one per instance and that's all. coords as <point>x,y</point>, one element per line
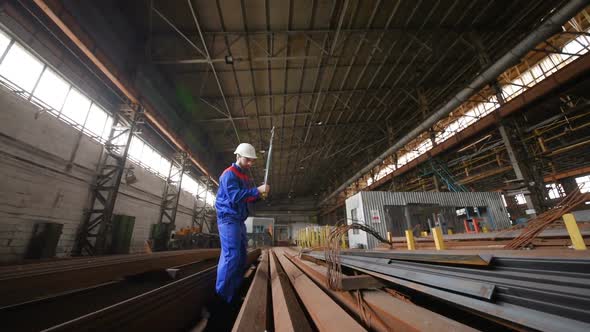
<point>541,293</point>
<point>300,299</point>
<point>169,298</point>
<point>535,226</point>
<point>26,282</point>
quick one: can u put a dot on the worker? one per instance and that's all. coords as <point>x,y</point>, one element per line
<point>231,204</point>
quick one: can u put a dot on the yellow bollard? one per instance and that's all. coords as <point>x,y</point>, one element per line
<point>438,238</point>
<point>574,232</point>
<point>410,240</point>
<point>450,231</point>
<point>423,234</point>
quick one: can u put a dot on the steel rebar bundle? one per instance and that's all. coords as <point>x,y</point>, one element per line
<point>536,225</point>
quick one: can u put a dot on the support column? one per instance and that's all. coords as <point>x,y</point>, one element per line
<point>171,194</point>
<point>436,184</point>
<point>169,204</point>
<point>527,174</point>
<point>94,236</point>
<point>202,213</point>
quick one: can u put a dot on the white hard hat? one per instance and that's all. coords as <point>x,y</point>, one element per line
<point>246,150</point>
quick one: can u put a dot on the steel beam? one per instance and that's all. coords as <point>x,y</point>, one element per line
<point>203,213</point>
<point>476,289</point>
<point>326,314</point>
<point>437,258</point>
<point>389,311</point>
<point>288,315</point>
<point>172,190</point>
<point>33,281</point>
<point>254,315</point>
<point>171,307</point>
<point>504,313</point>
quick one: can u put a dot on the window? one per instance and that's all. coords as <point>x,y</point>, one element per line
<point>26,73</point>
<point>210,198</point>
<point>584,183</point>
<point>97,118</point>
<point>4,42</point>
<point>135,148</point>
<point>578,45</point>
<point>388,169</point>
<point>76,107</point>
<point>174,173</point>
<point>164,166</point>
<point>52,90</point>
<point>191,185</point>
<point>554,190</point>
<point>424,146</point>
<point>21,68</point>
<point>107,129</point>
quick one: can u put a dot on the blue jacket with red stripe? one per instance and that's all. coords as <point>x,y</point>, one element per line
<point>234,194</point>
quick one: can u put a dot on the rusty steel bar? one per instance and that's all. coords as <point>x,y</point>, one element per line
<point>501,312</point>
<point>20,283</point>
<point>172,307</point>
<point>253,315</point>
<point>326,314</point>
<point>438,258</point>
<point>391,314</point>
<point>288,316</point>
<point>471,287</point>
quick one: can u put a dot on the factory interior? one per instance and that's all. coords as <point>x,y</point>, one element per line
<point>427,165</point>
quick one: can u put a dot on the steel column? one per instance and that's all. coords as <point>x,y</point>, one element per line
<point>94,236</point>
<point>202,213</point>
<point>172,188</point>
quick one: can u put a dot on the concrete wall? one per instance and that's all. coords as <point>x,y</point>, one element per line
<point>360,239</point>
<point>36,183</point>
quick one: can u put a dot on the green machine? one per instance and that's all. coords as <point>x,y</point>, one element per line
<point>160,235</point>
<point>122,232</point>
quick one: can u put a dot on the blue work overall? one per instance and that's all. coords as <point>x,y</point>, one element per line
<point>231,204</point>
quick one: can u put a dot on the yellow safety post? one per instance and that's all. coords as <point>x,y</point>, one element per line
<point>450,231</point>
<point>410,240</point>
<point>574,231</point>
<point>438,238</point>
<point>423,234</point>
